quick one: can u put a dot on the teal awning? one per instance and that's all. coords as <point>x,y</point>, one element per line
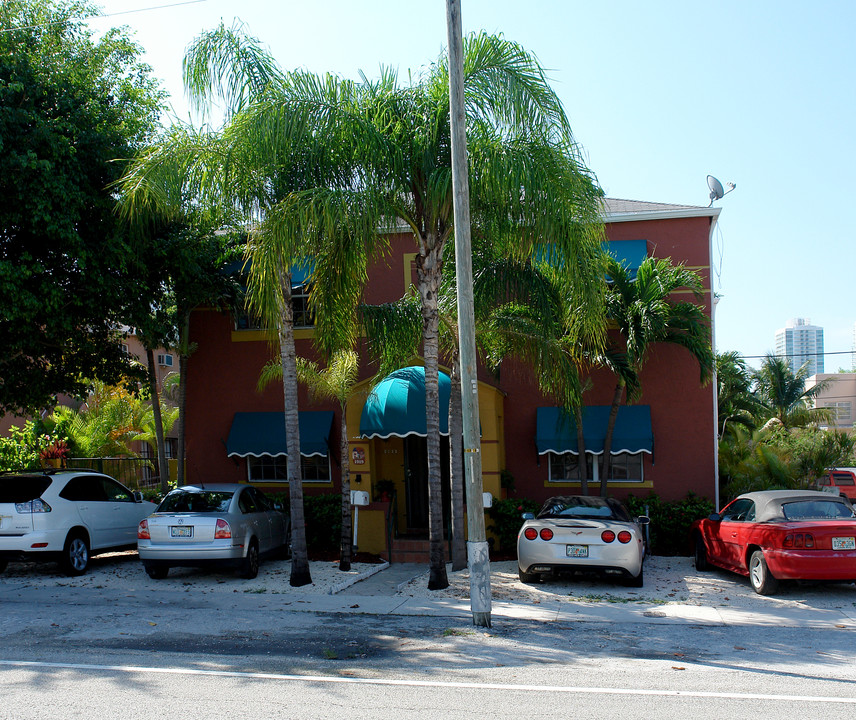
<point>629,253</point>
<point>263,433</point>
<point>557,432</point>
<point>396,405</point>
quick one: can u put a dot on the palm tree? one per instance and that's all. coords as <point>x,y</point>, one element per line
<point>736,404</point>
<point>782,394</point>
<point>643,309</point>
<point>336,382</point>
<point>259,174</point>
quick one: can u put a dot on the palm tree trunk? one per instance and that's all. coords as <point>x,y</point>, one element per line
<point>581,448</point>
<point>288,357</point>
<point>428,272</point>
<point>607,440</point>
<point>163,467</point>
<point>345,553</point>
<point>456,467</point>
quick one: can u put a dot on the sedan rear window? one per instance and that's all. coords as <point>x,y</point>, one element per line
<point>22,488</point>
<point>208,501</point>
<point>816,510</point>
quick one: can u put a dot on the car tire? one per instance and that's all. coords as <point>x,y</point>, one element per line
<point>75,554</point>
<point>250,564</point>
<point>760,577</point>
<point>700,555</point>
<point>3,564</point>
<point>638,581</point>
<point>157,572</point>
<point>528,578</point>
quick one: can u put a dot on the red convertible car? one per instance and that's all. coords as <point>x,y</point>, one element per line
<point>780,535</point>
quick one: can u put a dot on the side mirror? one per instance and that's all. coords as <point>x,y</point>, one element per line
<point>528,516</point>
<point>138,496</point>
<point>714,517</point>
<point>643,520</point>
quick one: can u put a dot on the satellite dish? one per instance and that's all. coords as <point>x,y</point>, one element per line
<point>717,192</point>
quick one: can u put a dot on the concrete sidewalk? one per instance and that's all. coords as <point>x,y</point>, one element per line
<point>374,593</point>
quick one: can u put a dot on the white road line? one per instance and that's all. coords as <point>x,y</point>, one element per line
<point>423,683</point>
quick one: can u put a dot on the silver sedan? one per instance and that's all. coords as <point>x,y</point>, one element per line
<point>581,533</point>
<point>213,525</point>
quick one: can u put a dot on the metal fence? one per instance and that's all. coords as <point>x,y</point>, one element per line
<point>135,473</point>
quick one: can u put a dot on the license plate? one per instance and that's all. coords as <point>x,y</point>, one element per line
<point>578,551</point>
<point>843,543</point>
<point>179,531</point>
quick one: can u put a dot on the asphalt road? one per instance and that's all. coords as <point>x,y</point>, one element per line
<point>104,654</point>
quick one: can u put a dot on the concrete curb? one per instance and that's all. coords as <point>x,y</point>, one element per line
<point>345,584</point>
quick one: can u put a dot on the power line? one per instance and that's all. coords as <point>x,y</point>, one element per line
<point>792,355</point>
<point>105,15</point>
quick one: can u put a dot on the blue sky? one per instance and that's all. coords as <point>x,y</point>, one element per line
<point>660,94</point>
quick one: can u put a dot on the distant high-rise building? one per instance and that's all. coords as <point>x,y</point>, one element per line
<point>800,342</point>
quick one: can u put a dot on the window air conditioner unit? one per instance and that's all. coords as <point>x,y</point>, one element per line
<point>165,360</point>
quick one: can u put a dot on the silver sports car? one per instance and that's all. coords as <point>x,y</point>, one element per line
<point>582,533</point>
<point>215,525</point>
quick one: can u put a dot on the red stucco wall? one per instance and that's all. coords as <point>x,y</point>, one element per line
<point>222,377</point>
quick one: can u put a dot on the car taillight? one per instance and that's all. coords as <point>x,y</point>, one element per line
<point>624,537</point>
<point>222,531</point>
<point>607,536</point>
<point>143,530</point>
<point>33,506</point>
<point>530,533</point>
<point>799,540</point>
<point>546,534</point>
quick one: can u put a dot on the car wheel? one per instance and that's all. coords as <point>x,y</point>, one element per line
<point>250,564</point>
<point>760,576</point>
<point>3,564</point>
<point>75,554</point>
<point>528,578</point>
<point>157,572</point>
<point>700,555</point>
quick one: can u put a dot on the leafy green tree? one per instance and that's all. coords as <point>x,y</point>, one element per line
<point>642,307</point>
<point>783,395</point>
<point>72,109</point>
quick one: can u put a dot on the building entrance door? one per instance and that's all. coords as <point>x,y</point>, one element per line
<point>416,483</point>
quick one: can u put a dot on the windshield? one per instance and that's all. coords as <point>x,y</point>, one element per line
<point>582,508</point>
<point>22,488</point>
<point>186,501</point>
<point>816,510</point>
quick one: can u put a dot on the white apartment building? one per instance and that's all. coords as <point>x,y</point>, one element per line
<point>800,342</point>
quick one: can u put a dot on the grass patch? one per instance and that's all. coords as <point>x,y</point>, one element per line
<point>256,591</point>
<point>455,632</point>
<point>330,654</point>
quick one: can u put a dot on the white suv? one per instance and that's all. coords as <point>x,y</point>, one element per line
<point>66,516</point>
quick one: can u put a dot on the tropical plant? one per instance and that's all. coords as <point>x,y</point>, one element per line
<point>736,404</point>
<point>644,311</point>
<point>783,397</point>
<point>108,423</point>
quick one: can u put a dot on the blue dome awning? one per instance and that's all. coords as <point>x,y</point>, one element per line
<point>263,433</point>
<point>556,431</point>
<point>396,405</point>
